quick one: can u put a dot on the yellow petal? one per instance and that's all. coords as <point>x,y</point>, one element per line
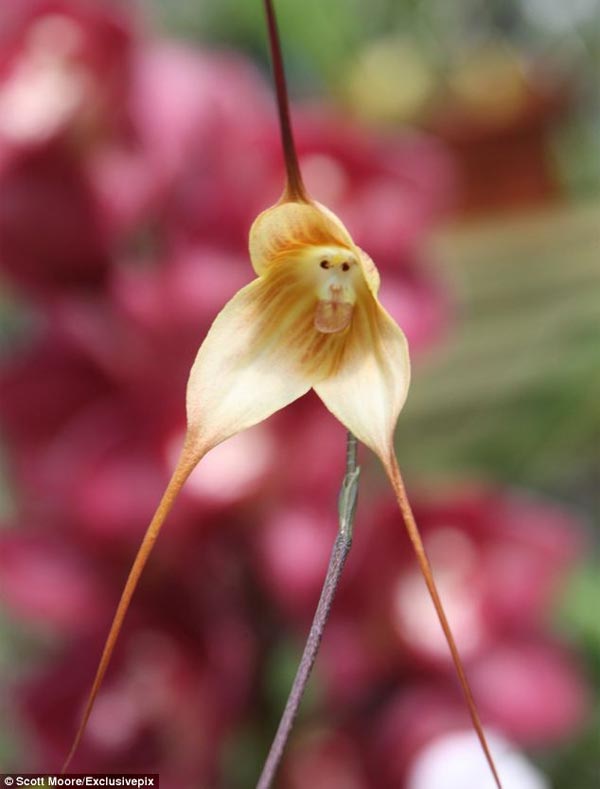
<point>261,353</point>
<point>369,387</point>
<point>286,229</point>
<point>289,230</point>
<point>369,270</point>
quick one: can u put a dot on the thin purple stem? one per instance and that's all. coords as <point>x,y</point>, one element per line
<point>339,554</point>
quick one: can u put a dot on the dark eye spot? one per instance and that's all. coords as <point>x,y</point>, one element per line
<point>324,264</point>
<point>345,266</point>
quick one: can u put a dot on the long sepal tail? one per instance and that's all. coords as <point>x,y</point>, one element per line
<point>295,190</point>
<point>393,472</point>
<point>185,466</point>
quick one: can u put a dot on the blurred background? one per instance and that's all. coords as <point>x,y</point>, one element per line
<point>459,143</point>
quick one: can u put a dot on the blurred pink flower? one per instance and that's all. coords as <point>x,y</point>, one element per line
<point>190,163</point>
<point>388,189</point>
<point>293,551</point>
<point>455,760</point>
<point>508,550</point>
<point>477,538</point>
<point>184,672</point>
<point>62,89</point>
<point>532,690</point>
<point>48,582</point>
<point>50,231</point>
<point>61,70</point>
<point>531,693</point>
<point>165,708</point>
<point>409,720</point>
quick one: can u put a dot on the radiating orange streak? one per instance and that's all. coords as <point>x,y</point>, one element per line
<point>185,466</point>
<point>393,472</point>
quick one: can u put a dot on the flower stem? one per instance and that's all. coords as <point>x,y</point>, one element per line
<point>339,554</point>
<point>295,189</point>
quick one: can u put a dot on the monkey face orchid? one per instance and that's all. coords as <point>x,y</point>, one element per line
<point>310,319</point>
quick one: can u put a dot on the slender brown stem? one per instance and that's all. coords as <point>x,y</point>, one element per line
<point>393,471</point>
<point>295,189</point>
<point>339,554</point>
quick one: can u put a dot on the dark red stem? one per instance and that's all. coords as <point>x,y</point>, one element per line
<point>295,189</point>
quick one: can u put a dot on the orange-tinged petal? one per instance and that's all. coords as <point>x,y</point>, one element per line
<point>369,270</point>
<point>369,387</point>
<point>261,353</point>
<point>289,230</point>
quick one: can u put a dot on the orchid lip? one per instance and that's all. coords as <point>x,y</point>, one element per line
<point>332,316</point>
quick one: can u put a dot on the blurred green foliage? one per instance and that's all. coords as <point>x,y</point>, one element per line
<point>515,391</point>
<point>577,763</point>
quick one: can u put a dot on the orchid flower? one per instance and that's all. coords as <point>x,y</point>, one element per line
<point>310,319</point>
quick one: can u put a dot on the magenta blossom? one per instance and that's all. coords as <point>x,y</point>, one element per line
<point>62,64</point>
<point>63,80</point>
